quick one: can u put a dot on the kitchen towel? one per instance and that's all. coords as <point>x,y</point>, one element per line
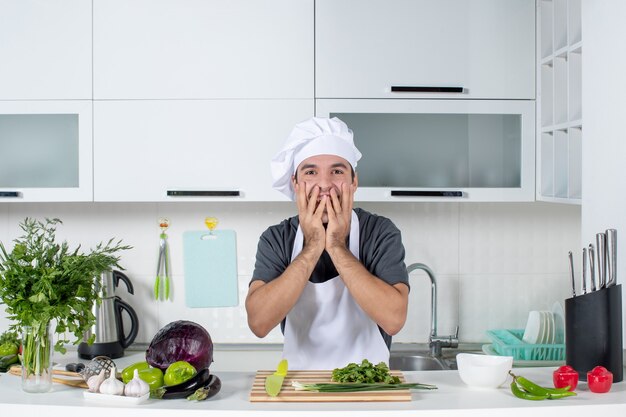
<point>210,262</point>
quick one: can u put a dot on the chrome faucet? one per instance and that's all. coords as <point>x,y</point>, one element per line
<point>435,342</point>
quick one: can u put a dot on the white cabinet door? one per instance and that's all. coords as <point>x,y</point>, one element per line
<point>364,47</point>
<point>45,49</point>
<point>198,49</point>
<point>45,150</point>
<point>441,150</point>
<point>143,149</point>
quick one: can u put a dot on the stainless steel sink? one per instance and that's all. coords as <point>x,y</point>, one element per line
<point>422,360</point>
<point>417,363</point>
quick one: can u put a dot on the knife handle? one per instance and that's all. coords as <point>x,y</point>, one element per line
<point>584,274</point>
<point>571,272</point>
<point>611,254</point>
<point>592,267</point>
<point>601,259</point>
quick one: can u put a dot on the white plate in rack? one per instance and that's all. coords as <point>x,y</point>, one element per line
<point>114,399</point>
<point>534,328</point>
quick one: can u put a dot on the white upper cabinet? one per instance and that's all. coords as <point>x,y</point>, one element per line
<point>484,48</point>
<point>190,150</point>
<point>199,49</point>
<point>45,150</point>
<point>45,49</point>
<point>441,150</point>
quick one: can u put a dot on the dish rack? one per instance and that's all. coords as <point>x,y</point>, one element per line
<point>508,342</point>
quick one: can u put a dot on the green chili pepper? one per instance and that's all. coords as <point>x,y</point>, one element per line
<point>515,389</point>
<point>526,389</point>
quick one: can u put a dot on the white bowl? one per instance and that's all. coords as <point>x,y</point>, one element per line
<point>483,371</point>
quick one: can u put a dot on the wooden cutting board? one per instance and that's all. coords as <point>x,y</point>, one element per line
<point>289,394</point>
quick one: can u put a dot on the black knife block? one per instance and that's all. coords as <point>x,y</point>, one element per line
<point>593,332</point>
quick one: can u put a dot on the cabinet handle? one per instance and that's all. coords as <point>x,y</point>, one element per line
<point>202,193</point>
<point>403,193</point>
<point>9,194</point>
<point>424,89</point>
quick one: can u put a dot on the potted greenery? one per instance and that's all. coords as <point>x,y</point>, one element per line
<point>43,282</point>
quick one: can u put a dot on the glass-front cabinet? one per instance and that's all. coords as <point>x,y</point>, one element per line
<point>441,150</point>
<point>46,151</point>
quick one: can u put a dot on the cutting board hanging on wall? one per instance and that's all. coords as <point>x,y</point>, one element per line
<point>210,262</point>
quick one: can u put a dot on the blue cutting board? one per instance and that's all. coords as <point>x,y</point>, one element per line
<point>210,263</point>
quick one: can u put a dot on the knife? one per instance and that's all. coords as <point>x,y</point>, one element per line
<point>571,272</point>
<point>611,256</point>
<point>274,382</point>
<point>584,274</point>
<point>592,268</point>
<point>601,259</point>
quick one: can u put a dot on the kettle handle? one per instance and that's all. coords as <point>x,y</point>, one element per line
<point>124,340</point>
<point>117,276</point>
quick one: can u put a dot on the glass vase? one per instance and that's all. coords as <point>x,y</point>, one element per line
<point>37,351</point>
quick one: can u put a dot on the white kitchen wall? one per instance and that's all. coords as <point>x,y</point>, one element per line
<point>494,261</point>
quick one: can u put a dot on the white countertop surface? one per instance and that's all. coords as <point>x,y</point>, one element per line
<point>452,398</point>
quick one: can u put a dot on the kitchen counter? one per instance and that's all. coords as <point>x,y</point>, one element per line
<point>453,398</point>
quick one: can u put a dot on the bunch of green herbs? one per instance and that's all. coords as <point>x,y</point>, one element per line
<point>366,372</point>
<point>42,281</point>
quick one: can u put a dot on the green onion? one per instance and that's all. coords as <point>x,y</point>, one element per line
<point>355,387</point>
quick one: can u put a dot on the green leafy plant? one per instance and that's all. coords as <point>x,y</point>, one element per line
<point>42,281</point>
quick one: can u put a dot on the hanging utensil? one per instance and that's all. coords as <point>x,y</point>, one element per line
<point>163,264</point>
<point>571,272</point>
<point>592,267</point>
<point>611,255</point>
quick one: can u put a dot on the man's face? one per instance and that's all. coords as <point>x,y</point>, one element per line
<point>326,172</point>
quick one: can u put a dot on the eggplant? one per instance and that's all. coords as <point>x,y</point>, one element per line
<point>184,389</point>
<point>212,387</point>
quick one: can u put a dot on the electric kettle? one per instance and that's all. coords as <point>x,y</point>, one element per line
<point>110,337</point>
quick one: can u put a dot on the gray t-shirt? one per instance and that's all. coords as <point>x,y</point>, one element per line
<point>380,251</point>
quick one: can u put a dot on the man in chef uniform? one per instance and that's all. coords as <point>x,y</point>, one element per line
<point>333,276</point>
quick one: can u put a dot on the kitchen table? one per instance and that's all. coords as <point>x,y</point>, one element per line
<point>452,398</point>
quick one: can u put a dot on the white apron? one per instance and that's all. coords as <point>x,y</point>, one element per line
<point>326,328</point>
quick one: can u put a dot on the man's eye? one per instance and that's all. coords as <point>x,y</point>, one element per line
<point>309,172</point>
<point>338,172</point>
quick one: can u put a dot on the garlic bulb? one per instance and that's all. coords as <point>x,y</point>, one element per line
<point>136,387</point>
<point>111,385</point>
<point>95,381</point>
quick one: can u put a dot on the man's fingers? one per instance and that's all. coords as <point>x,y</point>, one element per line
<point>347,196</point>
<point>337,206</point>
<point>319,210</point>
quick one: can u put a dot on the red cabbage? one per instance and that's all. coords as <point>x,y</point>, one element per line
<point>181,341</point>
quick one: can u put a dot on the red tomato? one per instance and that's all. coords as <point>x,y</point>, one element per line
<point>599,379</point>
<point>565,376</point>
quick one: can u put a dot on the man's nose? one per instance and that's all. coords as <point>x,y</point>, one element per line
<point>324,182</point>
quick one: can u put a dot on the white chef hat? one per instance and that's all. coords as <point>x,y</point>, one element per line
<point>315,136</point>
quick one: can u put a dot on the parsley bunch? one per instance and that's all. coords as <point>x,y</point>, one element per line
<point>43,281</point>
<point>366,372</point>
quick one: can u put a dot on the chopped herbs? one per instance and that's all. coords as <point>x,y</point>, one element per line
<point>366,372</point>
